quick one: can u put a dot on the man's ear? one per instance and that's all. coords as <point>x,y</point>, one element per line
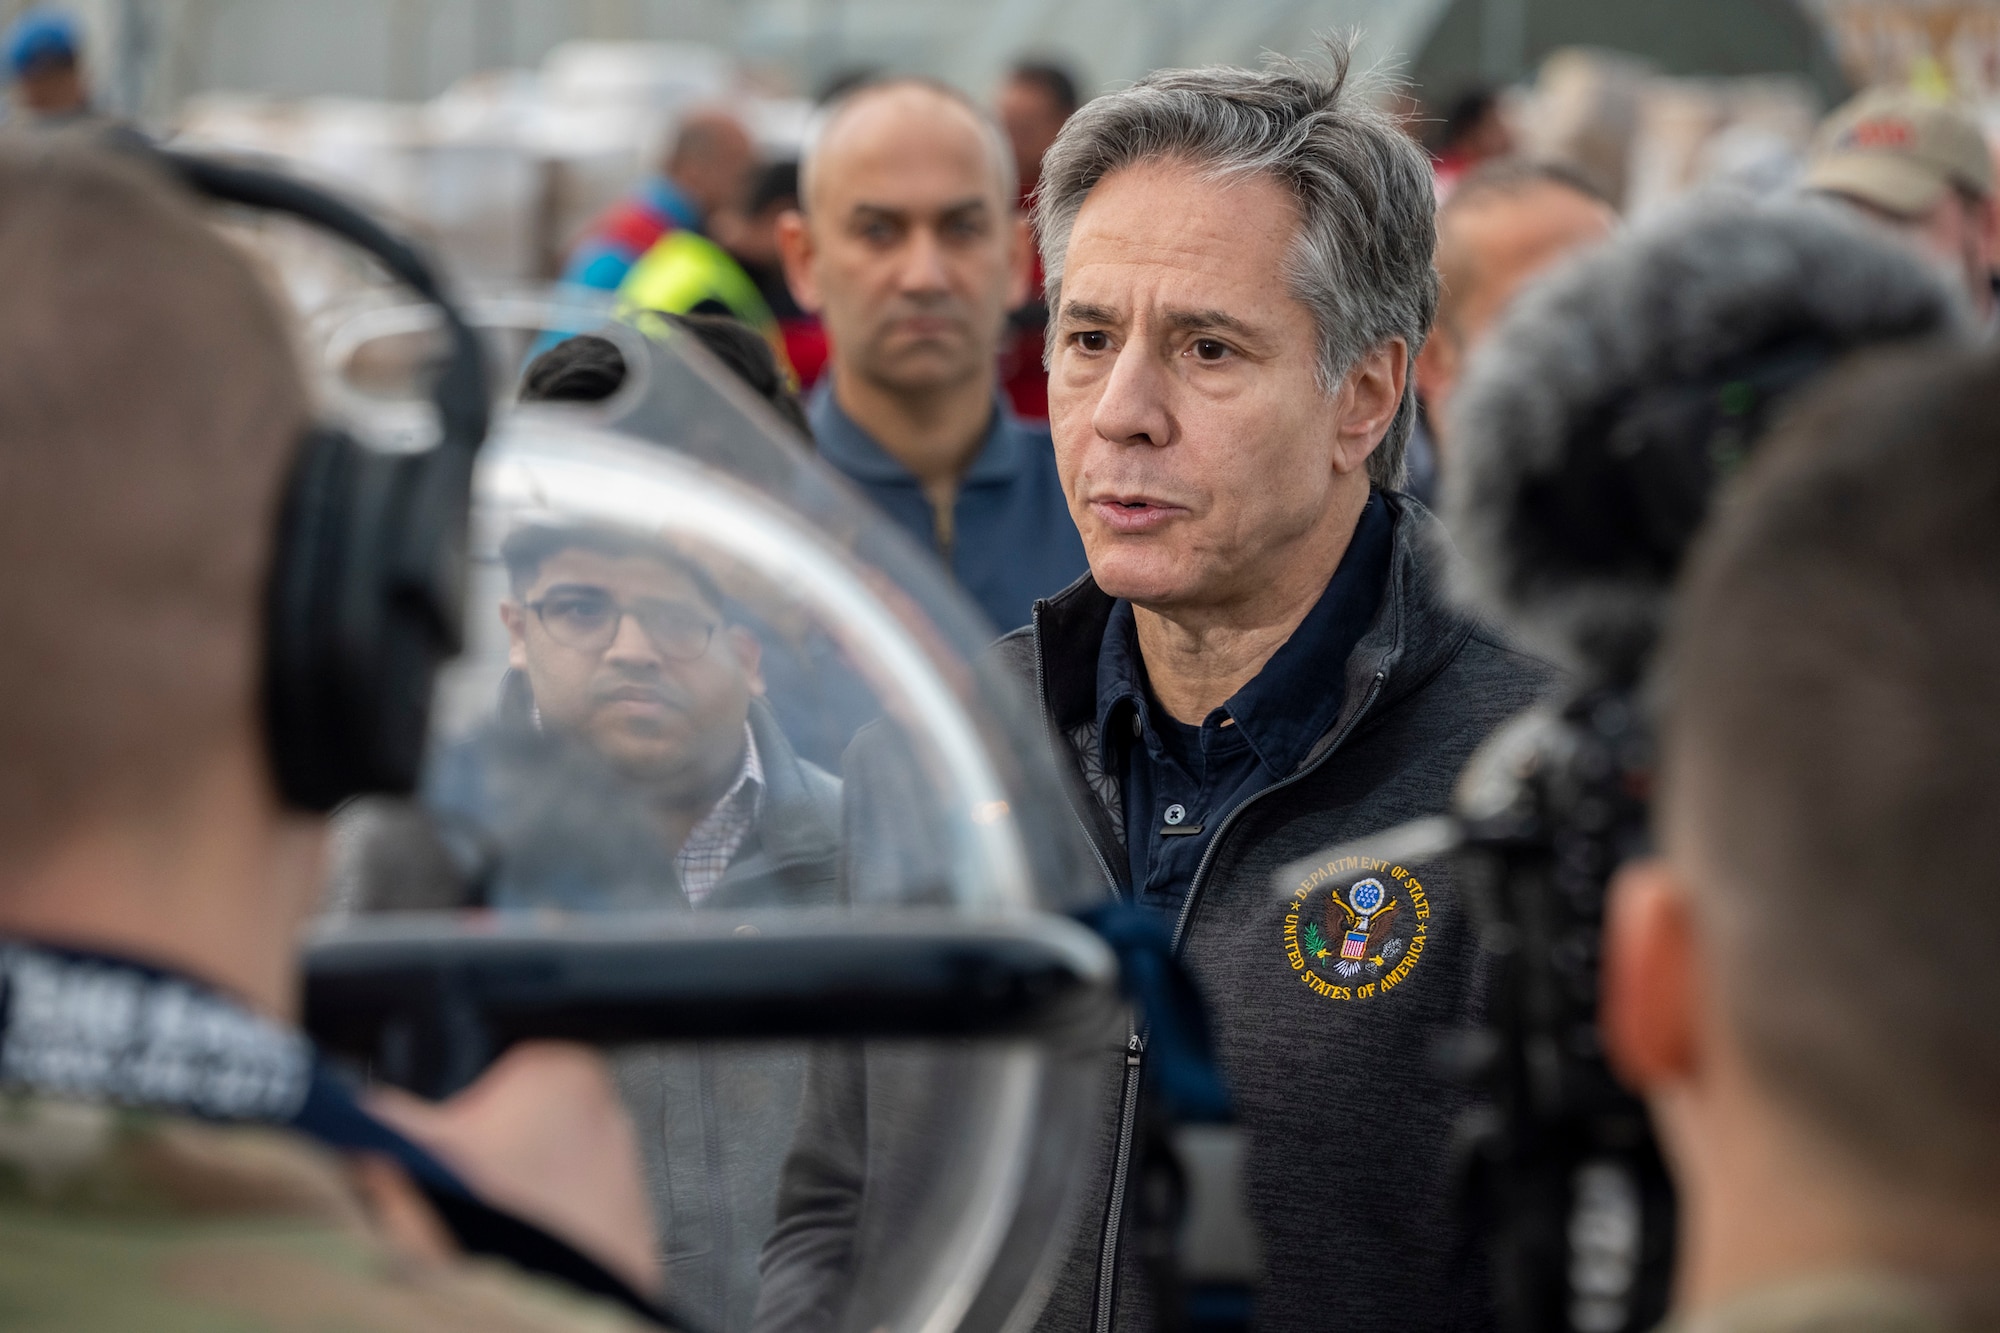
<point>795,248</point>
<point>515,618</point>
<point>1021,263</point>
<point>749,655</point>
<point>1367,403</point>
<point>1650,985</point>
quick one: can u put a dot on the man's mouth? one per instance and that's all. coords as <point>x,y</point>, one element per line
<point>637,697</point>
<point>1133,513</point>
<point>926,327</point>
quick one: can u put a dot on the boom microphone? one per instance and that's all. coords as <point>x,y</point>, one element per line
<point>1598,417</point>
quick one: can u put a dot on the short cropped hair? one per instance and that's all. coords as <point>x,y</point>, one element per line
<point>1362,260</point>
<point>583,369</point>
<point>1831,753</point>
<point>530,546</point>
<point>589,368</point>
<point>151,402</point>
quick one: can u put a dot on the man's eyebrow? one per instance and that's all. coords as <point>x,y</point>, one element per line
<point>1219,321</point>
<point>575,585</point>
<point>1083,312</point>
<point>867,209</point>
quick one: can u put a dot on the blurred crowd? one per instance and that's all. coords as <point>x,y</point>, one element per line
<point>908,325</point>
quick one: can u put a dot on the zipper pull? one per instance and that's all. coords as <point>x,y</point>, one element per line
<point>1135,1048</point>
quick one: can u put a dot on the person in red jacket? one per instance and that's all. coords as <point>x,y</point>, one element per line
<point>706,173</point>
<point>1034,103</point>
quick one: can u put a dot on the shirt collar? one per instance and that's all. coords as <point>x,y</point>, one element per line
<point>749,781</point>
<point>1001,457</point>
<point>752,775</point>
<point>1291,703</point>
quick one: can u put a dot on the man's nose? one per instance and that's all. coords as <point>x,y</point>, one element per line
<point>1133,407</point>
<point>631,645</point>
<point>921,267</point>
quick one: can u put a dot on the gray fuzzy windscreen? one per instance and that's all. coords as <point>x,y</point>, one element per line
<point>1687,300</point>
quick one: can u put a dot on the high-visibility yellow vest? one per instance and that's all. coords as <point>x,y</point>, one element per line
<point>682,271</point>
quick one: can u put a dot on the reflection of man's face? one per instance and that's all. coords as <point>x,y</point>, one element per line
<point>625,651</point>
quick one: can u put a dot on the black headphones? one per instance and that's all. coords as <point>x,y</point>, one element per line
<point>367,585</point>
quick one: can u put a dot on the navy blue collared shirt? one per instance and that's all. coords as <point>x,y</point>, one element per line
<point>1010,539</point>
<point>1181,780</point>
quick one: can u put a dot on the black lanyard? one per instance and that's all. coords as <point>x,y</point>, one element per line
<point>93,1027</point>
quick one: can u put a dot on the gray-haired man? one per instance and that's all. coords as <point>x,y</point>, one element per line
<point>1262,664</point>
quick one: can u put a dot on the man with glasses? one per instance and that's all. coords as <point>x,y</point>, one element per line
<point>634,765</point>
<point>633,762</point>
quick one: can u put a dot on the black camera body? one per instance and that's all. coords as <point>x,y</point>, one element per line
<point>1564,1175</point>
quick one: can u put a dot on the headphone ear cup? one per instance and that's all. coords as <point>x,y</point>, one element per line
<point>363,606</point>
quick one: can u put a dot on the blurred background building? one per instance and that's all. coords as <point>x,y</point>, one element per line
<point>500,128</point>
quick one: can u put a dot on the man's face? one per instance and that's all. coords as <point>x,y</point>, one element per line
<point>1195,445</point>
<point>625,651</point>
<point>51,88</point>
<point>1958,234</point>
<point>908,251</point>
<point>1487,252</point>
<point>1032,121</point>
<point>718,173</point>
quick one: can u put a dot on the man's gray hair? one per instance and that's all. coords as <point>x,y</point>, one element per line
<point>1362,260</point>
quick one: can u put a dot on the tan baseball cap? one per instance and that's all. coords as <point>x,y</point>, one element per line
<point>1899,151</point>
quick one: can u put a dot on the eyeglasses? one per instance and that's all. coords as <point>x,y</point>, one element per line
<point>587,619</point>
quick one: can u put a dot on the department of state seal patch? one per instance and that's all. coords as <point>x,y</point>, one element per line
<point>1355,928</point>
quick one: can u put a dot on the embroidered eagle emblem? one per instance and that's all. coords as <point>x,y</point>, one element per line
<point>1359,930</point>
<point>1358,939</point>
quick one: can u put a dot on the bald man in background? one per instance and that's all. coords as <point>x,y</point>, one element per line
<point>910,246</point>
<point>1501,226</point>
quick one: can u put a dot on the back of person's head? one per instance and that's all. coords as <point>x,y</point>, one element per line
<point>1832,750</point>
<point>1362,258</point>
<point>588,368</point>
<point>150,402</point>
<point>583,369</point>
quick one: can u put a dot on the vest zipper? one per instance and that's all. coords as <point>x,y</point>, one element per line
<point>1135,1045</point>
<point>1135,1050</point>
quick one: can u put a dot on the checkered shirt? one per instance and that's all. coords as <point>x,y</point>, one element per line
<point>715,838</point>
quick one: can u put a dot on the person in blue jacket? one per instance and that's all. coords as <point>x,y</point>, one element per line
<point>911,248</point>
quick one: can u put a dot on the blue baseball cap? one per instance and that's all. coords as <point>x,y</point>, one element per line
<point>39,35</point>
